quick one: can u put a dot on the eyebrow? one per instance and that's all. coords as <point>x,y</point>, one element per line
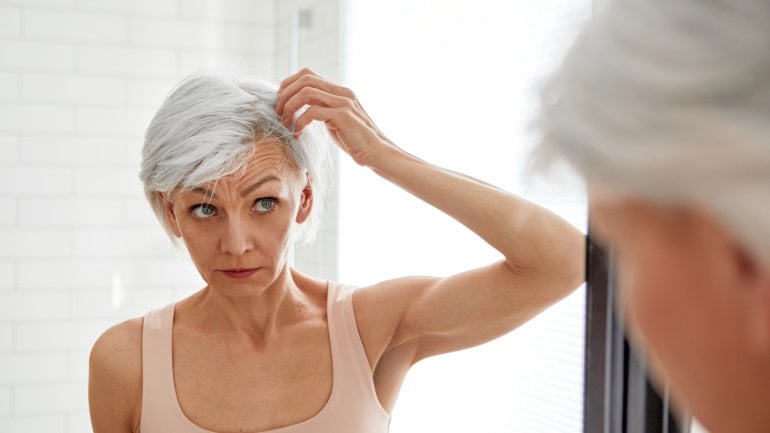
<point>245,192</point>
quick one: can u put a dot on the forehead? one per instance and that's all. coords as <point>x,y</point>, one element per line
<point>269,154</point>
<point>270,158</point>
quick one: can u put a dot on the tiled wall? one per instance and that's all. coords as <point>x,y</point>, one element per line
<point>79,247</point>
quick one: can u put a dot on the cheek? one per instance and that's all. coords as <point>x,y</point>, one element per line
<point>666,299</point>
<point>659,287</point>
<point>199,242</point>
<point>653,294</point>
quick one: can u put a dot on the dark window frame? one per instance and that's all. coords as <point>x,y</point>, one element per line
<point>618,396</point>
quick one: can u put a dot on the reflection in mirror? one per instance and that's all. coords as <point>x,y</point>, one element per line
<point>82,251</point>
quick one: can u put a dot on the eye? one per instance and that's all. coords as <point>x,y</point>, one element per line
<point>266,205</point>
<point>203,211</point>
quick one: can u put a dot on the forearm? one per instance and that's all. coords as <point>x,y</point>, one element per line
<point>530,237</point>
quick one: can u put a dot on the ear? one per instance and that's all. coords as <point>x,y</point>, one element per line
<point>747,280</point>
<point>305,201</point>
<point>171,220</point>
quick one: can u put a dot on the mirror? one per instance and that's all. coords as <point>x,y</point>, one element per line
<point>454,83</point>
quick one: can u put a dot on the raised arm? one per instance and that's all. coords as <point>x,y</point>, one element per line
<point>542,254</point>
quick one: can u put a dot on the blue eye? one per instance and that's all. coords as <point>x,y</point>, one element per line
<point>266,205</point>
<point>203,211</point>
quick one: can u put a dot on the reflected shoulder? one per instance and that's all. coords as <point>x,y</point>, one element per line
<point>120,344</point>
<point>390,295</point>
<point>115,376</point>
<point>380,308</point>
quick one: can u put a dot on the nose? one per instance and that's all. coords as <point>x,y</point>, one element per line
<point>236,239</point>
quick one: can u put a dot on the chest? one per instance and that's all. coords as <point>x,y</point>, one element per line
<point>227,386</point>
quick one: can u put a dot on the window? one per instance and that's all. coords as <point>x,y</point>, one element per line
<point>455,83</point>
<point>619,396</point>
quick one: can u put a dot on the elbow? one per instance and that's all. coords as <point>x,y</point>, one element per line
<point>563,270</point>
<point>575,278</point>
<point>555,270</point>
<point>557,285</point>
<point>570,264</point>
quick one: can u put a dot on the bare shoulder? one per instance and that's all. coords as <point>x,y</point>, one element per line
<point>119,336</point>
<point>389,296</point>
<point>118,350</point>
<point>380,308</point>
<point>115,377</point>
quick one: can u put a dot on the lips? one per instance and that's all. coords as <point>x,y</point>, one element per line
<point>239,272</point>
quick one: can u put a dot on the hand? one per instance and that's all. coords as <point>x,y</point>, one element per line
<point>337,107</point>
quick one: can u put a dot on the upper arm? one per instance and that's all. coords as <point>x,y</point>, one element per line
<point>430,316</point>
<point>115,379</point>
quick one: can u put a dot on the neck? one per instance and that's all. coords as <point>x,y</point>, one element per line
<point>260,314</point>
<point>743,405</point>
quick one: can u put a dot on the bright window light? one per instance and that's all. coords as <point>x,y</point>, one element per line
<point>455,83</point>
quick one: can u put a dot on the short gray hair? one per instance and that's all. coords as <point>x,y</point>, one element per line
<point>207,129</point>
<point>670,101</point>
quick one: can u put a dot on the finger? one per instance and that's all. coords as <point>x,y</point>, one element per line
<point>310,81</point>
<point>348,130</point>
<point>311,96</point>
<point>338,120</point>
<point>319,113</point>
<point>292,78</point>
<point>289,83</point>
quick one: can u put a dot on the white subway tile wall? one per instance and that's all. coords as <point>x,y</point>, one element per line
<point>74,25</point>
<point>5,402</point>
<point>6,345</point>
<point>10,20</point>
<point>7,280</point>
<point>36,117</point>
<point>9,149</point>
<point>16,54</point>
<point>46,423</point>
<point>8,213</point>
<point>80,249</point>
<point>9,83</point>
<point>80,150</point>
<point>72,88</point>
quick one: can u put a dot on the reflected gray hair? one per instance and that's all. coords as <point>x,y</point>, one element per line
<point>210,125</point>
<point>670,101</point>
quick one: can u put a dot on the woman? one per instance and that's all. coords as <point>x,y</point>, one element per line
<point>663,107</point>
<point>264,347</point>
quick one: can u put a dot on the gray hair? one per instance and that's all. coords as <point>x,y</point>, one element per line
<point>670,101</point>
<point>207,129</point>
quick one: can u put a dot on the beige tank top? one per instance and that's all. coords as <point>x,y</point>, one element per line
<point>352,407</point>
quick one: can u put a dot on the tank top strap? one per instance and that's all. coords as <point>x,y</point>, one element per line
<point>353,382</point>
<point>159,403</point>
